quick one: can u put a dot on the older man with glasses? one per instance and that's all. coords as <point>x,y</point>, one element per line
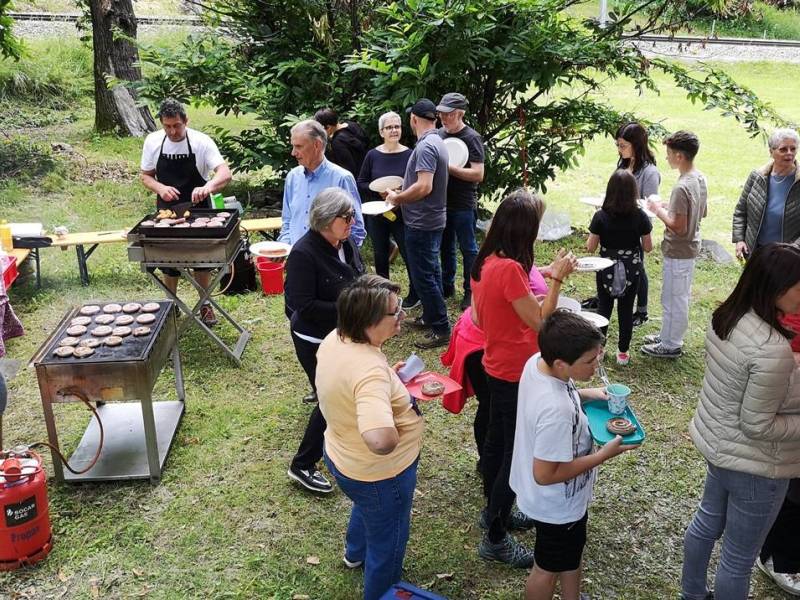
<point>313,174</point>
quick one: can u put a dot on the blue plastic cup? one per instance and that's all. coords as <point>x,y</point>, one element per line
<point>617,398</point>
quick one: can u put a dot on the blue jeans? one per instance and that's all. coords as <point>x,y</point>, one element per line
<point>742,507</point>
<point>422,248</point>
<point>379,525</point>
<point>461,226</point>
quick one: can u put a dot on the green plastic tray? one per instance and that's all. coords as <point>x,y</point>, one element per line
<point>598,414</point>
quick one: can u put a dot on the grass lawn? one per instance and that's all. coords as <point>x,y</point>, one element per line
<point>225,521</point>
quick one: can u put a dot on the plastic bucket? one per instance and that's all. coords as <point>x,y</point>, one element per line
<point>271,274</point>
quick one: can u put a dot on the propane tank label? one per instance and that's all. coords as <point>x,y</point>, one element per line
<point>21,512</point>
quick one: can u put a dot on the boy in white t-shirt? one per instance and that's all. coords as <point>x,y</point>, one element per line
<point>553,466</point>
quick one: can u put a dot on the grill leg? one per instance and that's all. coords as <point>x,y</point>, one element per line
<point>151,439</point>
<point>52,436</point>
<point>176,363</point>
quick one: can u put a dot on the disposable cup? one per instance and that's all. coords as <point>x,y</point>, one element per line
<point>617,398</point>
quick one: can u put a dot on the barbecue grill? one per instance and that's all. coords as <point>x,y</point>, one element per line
<point>188,248</point>
<point>138,435</point>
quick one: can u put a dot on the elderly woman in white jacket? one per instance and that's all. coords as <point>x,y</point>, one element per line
<point>747,424</point>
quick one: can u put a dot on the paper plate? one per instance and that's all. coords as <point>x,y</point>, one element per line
<point>593,263</point>
<point>375,208</point>
<point>270,249</point>
<point>570,304</point>
<point>384,184</point>
<point>643,206</point>
<point>593,318</point>
<point>457,151</point>
<point>595,201</point>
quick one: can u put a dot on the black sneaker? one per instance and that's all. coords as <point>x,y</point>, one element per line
<point>661,351</point>
<point>508,551</point>
<point>433,340</point>
<point>589,304</point>
<point>310,398</point>
<point>517,520</point>
<point>408,304</point>
<point>467,301</point>
<point>311,480</point>
<point>640,318</point>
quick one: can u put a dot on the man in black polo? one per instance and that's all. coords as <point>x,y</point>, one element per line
<point>462,195</point>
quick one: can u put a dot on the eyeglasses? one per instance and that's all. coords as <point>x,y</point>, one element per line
<point>348,217</point>
<point>393,127</point>
<point>396,314</point>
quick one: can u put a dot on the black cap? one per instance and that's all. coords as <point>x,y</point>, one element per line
<point>451,102</point>
<point>423,108</point>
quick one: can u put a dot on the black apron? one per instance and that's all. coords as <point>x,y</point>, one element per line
<point>179,171</point>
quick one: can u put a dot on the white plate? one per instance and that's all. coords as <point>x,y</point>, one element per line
<point>270,249</point>
<point>589,264</point>
<point>457,151</point>
<point>594,318</point>
<point>384,184</point>
<point>643,206</point>
<point>595,201</point>
<point>375,208</point>
<point>570,304</point>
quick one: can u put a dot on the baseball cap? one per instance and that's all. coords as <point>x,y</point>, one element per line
<point>423,108</point>
<point>451,102</point>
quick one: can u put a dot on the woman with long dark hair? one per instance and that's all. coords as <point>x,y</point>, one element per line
<point>747,424</point>
<point>633,146</point>
<point>509,315</point>
<point>622,231</point>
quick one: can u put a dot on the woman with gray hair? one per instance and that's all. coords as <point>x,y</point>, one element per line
<point>374,433</point>
<point>388,159</point>
<point>769,207</point>
<point>321,263</point>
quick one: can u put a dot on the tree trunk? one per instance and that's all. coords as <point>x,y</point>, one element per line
<point>115,59</point>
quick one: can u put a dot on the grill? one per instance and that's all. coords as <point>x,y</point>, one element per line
<point>187,248</point>
<point>139,431</point>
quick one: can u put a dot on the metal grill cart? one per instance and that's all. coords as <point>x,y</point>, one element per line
<point>189,248</point>
<point>120,379</point>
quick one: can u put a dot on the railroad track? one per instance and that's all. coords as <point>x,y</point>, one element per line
<point>72,18</point>
<point>198,22</point>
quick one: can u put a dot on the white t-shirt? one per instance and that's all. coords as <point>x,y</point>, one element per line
<point>550,426</point>
<point>206,153</point>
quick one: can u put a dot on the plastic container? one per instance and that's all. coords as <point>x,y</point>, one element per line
<point>6,241</point>
<point>598,414</point>
<point>8,267</point>
<point>271,274</point>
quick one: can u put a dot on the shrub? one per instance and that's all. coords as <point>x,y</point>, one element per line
<point>24,159</point>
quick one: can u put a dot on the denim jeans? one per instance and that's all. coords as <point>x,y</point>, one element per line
<point>742,507</point>
<point>497,451</point>
<point>380,521</point>
<point>422,248</point>
<point>676,291</point>
<point>460,226</point>
<point>381,231</point>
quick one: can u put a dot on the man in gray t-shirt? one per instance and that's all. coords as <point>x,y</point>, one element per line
<point>423,201</point>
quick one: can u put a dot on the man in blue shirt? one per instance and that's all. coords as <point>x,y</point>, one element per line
<point>313,174</point>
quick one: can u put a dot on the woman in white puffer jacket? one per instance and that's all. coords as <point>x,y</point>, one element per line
<point>747,424</point>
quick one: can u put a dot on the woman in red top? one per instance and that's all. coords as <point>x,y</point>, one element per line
<point>509,315</point>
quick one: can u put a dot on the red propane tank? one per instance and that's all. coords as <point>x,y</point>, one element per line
<point>25,536</point>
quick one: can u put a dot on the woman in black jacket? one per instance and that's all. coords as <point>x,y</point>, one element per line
<point>320,265</point>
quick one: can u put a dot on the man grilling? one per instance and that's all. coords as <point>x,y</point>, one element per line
<point>177,163</point>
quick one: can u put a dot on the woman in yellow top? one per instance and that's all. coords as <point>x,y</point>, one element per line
<point>374,432</point>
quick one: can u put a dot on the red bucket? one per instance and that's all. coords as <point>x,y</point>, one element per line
<point>271,274</point>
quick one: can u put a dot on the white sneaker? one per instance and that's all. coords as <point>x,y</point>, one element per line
<point>788,582</point>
